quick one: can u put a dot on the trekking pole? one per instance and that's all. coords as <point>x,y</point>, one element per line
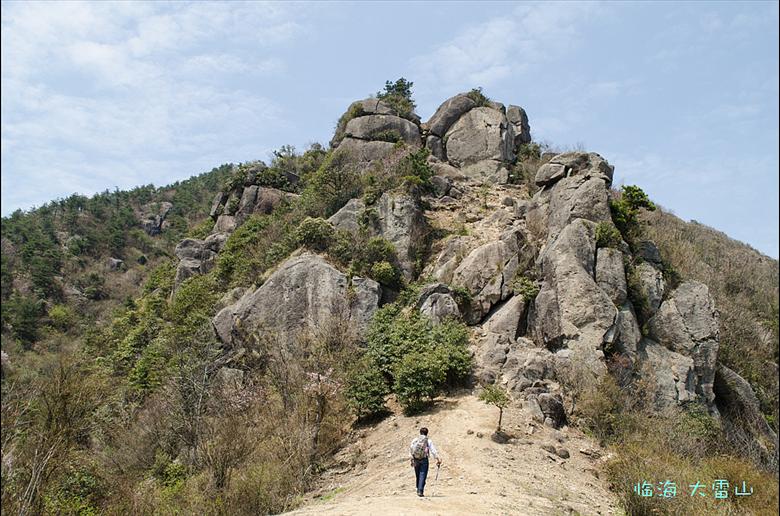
<point>435,481</point>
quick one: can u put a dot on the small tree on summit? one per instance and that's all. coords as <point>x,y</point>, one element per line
<point>398,95</point>
<point>495,395</point>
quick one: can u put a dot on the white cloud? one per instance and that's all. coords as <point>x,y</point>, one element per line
<point>486,53</point>
<point>93,91</point>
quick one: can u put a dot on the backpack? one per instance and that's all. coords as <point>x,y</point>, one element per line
<point>420,447</point>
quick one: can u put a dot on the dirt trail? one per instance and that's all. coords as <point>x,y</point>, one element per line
<point>478,476</point>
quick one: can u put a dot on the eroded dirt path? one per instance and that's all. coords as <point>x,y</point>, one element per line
<point>478,476</point>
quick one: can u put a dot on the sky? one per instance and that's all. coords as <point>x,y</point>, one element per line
<point>682,98</point>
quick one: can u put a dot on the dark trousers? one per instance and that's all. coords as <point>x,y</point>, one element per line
<point>421,473</point>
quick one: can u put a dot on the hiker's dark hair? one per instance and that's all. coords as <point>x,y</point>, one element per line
<point>424,431</point>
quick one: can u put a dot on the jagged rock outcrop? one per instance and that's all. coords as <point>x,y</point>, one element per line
<point>304,293</point>
<point>437,301</point>
<point>480,139</point>
<point>153,217</point>
<point>488,271</point>
<point>197,256</point>
<point>611,274</point>
<point>687,323</point>
<point>737,402</point>
<point>481,134</point>
<point>369,130</point>
<point>396,217</point>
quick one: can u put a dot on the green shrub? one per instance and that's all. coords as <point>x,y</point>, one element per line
<point>387,135</point>
<point>395,332</point>
<point>625,211</point>
<point>315,233</point>
<point>398,96</point>
<point>418,378</point>
<point>378,249</point>
<point>385,273</point>
<point>526,287</point>
<point>62,317</point>
<point>477,96</point>
<point>607,235</point>
<point>342,247</point>
<point>496,396</point>
<point>368,218</point>
<point>366,390</point>
<point>273,177</point>
<point>201,230</point>
<point>415,172</point>
<point>22,314</point>
<point>529,151</point>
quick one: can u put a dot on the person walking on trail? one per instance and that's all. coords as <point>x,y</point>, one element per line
<point>421,449</point>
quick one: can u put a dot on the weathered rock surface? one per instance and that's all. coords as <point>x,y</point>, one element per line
<point>437,301</point>
<point>488,271</point>
<point>400,220</point>
<point>364,152</point>
<point>571,310</point>
<point>516,116</point>
<point>195,257</point>
<point>651,285</point>
<point>153,217</point>
<point>509,319</point>
<point>674,377</point>
<point>688,323</point>
<point>736,399</point>
<point>481,134</point>
<point>449,113</point>
<point>611,275</point>
<point>381,127</point>
<point>304,293</point>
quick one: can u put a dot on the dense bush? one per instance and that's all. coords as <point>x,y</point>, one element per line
<point>525,287</point>
<point>607,235</point>
<point>366,390</point>
<point>395,334</point>
<point>315,233</point>
<point>625,208</point>
<point>418,378</point>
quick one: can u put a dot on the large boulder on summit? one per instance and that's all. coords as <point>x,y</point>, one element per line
<point>383,128</point>
<point>481,134</point>
<point>369,106</point>
<point>304,293</point>
<point>687,322</point>
<point>449,113</point>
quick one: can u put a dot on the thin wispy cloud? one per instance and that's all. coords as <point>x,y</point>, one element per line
<point>502,47</point>
<point>114,84</point>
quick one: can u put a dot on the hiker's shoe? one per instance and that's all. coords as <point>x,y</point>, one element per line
<point>419,493</point>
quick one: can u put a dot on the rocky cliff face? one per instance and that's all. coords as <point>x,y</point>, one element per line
<point>543,295</point>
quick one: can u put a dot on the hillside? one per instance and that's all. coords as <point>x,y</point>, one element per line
<point>267,337</point>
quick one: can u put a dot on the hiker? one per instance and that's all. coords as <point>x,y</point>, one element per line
<point>421,449</point>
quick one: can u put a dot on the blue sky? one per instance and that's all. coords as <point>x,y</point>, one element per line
<point>681,97</point>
